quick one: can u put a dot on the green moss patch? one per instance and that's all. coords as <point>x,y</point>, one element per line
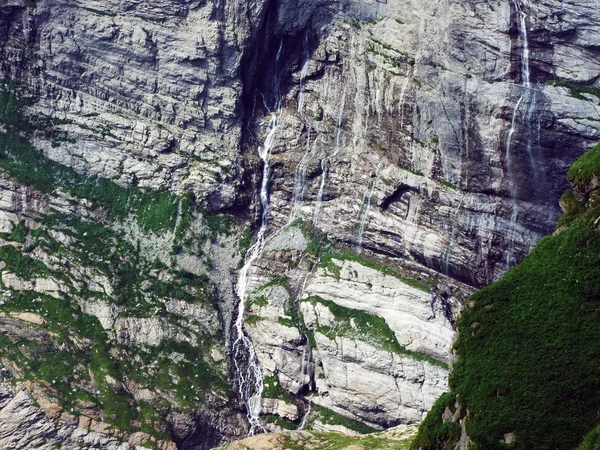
<point>329,417</point>
<point>367,327</point>
<point>328,262</point>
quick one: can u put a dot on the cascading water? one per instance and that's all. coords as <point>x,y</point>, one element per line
<point>300,179</point>
<point>326,160</point>
<point>246,364</point>
<point>452,235</point>
<point>528,99</point>
<point>526,82</point>
<point>364,211</point>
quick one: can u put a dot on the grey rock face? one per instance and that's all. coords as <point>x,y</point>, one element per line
<point>427,134</point>
<point>137,82</point>
<point>431,135</point>
<point>426,102</point>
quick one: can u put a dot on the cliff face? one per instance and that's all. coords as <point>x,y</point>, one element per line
<point>429,138</point>
<point>527,345</point>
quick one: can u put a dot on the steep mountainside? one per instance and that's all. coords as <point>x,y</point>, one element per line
<point>228,216</point>
<point>527,373</point>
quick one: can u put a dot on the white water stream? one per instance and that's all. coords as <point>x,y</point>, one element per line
<point>247,367</point>
<point>525,80</point>
<point>326,160</point>
<point>528,98</point>
<point>363,214</point>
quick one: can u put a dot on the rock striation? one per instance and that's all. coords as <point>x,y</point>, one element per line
<point>420,151</point>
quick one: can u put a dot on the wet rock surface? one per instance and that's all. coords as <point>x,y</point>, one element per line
<point>409,133</point>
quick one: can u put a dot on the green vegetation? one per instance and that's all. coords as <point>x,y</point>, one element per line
<point>253,319</point>
<point>245,240</point>
<point>154,211</point>
<point>434,433</point>
<point>21,264</point>
<point>579,203</point>
<point>336,441</point>
<point>591,440</point>
<point>279,421</point>
<point>330,417</point>
<point>449,185</point>
<point>413,171</point>
<point>586,167</point>
<point>367,327</point>
<point>529,346</point>
<point>328,262</point>
<point>286,322</point>
<point>93,261</point>
<point>260,301</point>
<point>272,389</point>
<point>318,114</point>
<point>576,90</point>
<point>308,232</point>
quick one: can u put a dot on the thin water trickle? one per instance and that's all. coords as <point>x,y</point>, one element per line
<point>364,211</point>
<point>327,159</point>
<point>452,235</point>
<point>303,73</point>
<point>300,180</point>
<point>528,98</point>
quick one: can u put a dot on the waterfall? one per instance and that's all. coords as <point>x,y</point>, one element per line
<point>246,364</point>
<point>525,80</point>
<point>303,72</point>
<point>327,159</point>
<point>363,214</point>
<point>306,416</point>
<point>528,102</point>
<point>452,235</point>
<point>300,179</point>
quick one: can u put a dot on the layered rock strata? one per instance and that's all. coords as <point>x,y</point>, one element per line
<point>432,137</point>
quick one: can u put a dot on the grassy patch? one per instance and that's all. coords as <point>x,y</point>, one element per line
<point>21,264</point>
<point>253,319</point>
<point>575,89</point>
<point>94,261</point>
<point>367,327</point>
<point>154,211</point>
<point>307,230</point>
<point>449,185</point>
<point>434,433</point>
<point>328,263</point>
<point>329,417</point>
<point>279,421</point>
<point>337,441</point>
<point>272,389</point>
<point>286,322</point>
<point>529,347</point>
<point>582,170</point>
<point>411,170</point>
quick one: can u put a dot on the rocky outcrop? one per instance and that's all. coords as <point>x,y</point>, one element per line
<point>420,114</point>
<point>134,84</point>
<point>438,144</point>
<point>431,137</point>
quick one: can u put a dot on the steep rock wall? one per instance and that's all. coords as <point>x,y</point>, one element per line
<point>431,136</point>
